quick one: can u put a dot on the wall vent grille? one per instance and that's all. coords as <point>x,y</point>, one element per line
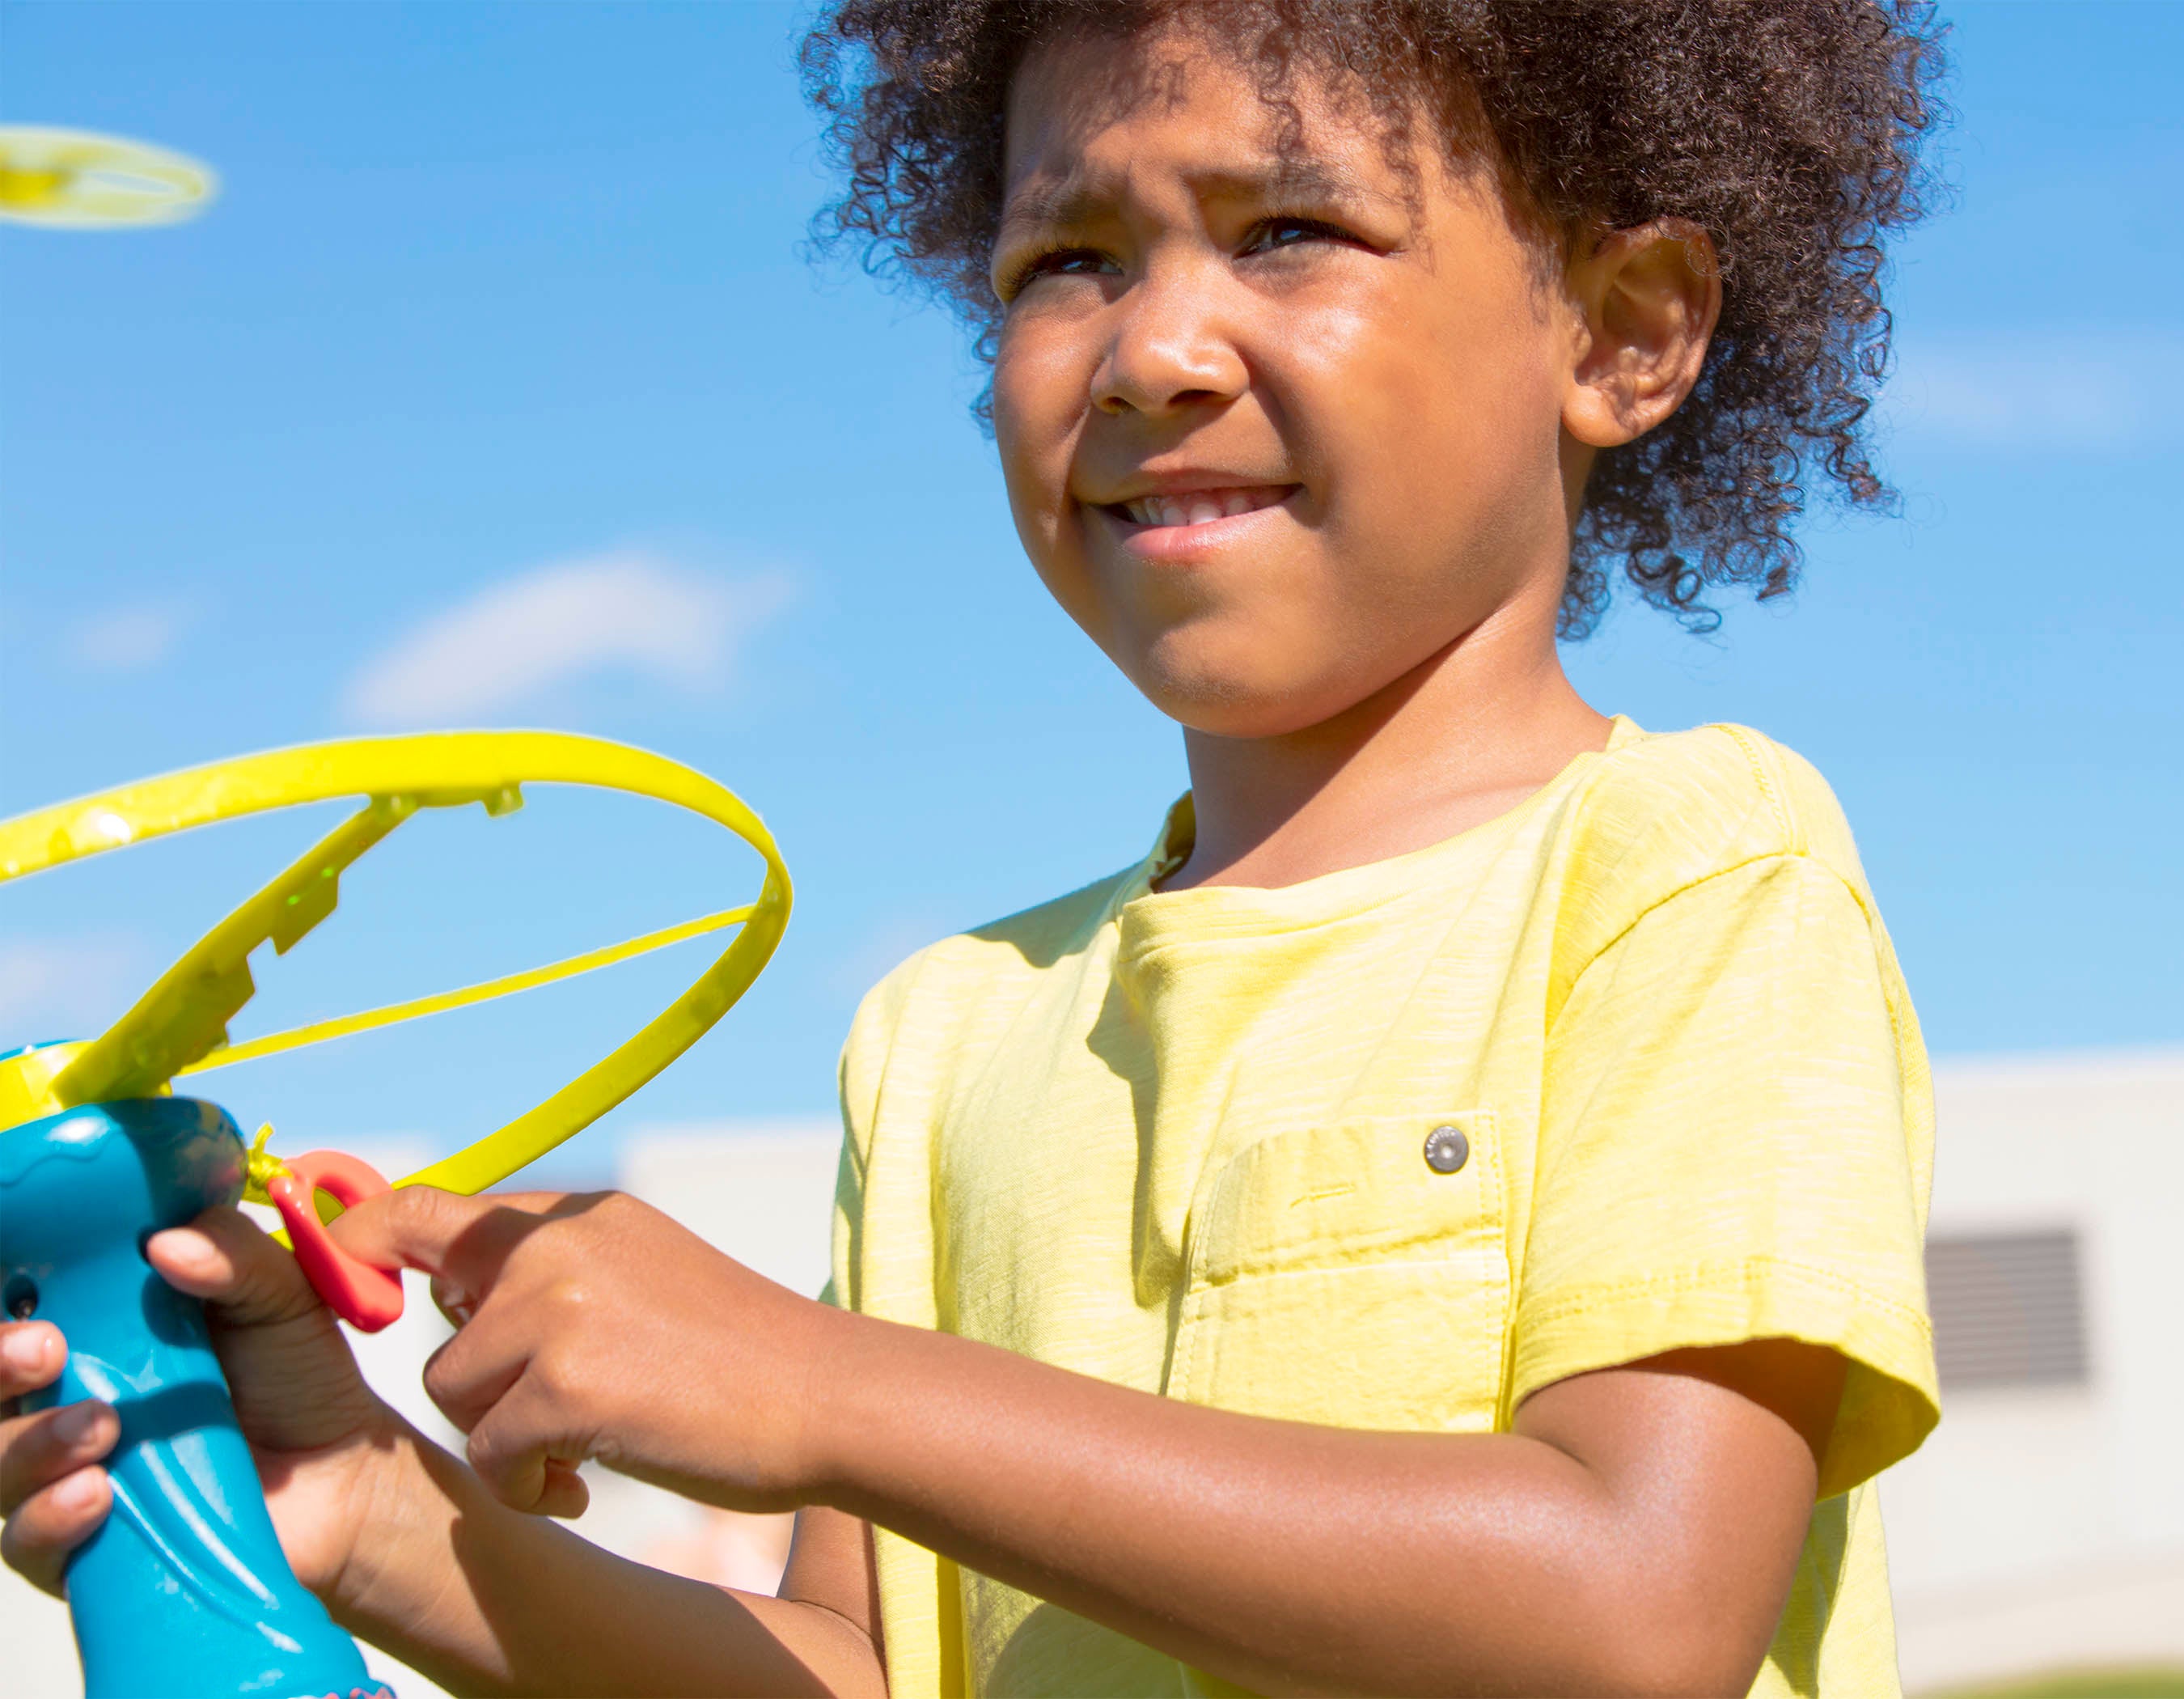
<point>2008,1308</point>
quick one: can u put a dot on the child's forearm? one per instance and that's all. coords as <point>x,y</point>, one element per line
<point>484,1599</point>
<point>1290,1557</point>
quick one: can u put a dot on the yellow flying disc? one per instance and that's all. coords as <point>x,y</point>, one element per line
<point>79,179</point>
<point>179,1025</point>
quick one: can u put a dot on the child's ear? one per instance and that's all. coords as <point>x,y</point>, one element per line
<point>1646,300</point>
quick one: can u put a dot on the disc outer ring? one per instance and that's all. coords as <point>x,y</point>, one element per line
<point>440,768</point>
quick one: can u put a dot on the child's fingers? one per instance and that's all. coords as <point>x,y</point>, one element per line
<point>566,1494</point>
<point>41,1532</point>
<point>444,1234</point>
<point>473,1371</point>
<point>520,1453</point>
<point>38,1451</point>
<point>227,1259</point>
<point>31,1354</point>
<point>452,1302</point>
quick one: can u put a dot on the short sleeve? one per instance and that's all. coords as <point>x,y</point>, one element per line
<point>1725,1154</point>
<point>869,1057</point>
<point>857,1077</point>
<point>841,1287</point>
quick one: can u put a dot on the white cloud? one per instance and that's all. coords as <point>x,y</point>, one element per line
<point>131,638</point>
<point>515,640</point>
<point>2074,390</point>
<point>68,987</point>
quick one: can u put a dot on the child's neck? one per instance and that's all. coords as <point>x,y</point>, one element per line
<point>1461,739</point>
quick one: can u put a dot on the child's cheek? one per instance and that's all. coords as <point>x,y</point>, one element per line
<point>1038,415</point>
<point>1050,535</point>
<point>1445,452</point>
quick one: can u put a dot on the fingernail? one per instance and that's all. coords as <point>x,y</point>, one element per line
<point>80,1492</point>
<point>188,1248</point>
<point>25,1349</point>
<point>74,1422</point>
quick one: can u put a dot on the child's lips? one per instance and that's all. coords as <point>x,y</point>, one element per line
<point>1201,507</point>
<point>1190,521</point>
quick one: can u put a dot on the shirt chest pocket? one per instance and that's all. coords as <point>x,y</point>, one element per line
<point>1355,1274</point>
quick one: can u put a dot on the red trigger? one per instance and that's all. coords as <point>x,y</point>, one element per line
<point>362,1296</point>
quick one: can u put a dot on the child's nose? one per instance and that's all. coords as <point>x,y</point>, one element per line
<point>1167,349</point>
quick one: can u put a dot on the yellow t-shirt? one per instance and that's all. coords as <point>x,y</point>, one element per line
<point>1181,1140</point>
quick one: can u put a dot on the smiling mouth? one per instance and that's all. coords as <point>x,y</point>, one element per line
<point>1201,507</point>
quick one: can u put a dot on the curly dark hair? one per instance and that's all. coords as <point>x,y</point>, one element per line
<point>1789,130</point>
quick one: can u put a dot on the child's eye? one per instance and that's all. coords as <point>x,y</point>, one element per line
<point>1289,232</point>
<point>1061,262</point>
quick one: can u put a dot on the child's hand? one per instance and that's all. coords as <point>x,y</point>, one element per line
<point>52,1492</point>
<point>595,1326</point>
<point>314,1429</point>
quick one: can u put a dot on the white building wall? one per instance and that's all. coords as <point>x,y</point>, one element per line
<point>2043,1528</point>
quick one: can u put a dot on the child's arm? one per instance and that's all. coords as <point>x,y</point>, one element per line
<point>486,1599</point>
<point>1636,1532</point>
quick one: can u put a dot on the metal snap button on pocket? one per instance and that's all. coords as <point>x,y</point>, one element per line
<point>1447,1150</point>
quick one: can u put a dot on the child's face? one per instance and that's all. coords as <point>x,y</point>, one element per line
<point>1278,424</point>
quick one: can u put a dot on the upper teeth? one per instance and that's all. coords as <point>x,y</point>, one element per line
<point>1197,507</point>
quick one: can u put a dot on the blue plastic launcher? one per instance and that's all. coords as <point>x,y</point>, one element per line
<point>183,1589</point>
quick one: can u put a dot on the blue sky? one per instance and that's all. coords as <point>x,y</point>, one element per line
<point>503,312</point>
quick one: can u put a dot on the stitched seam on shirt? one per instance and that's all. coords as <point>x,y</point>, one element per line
<point>1183,1347</point>
<point>1875,932</point>
<point>1371,1244</point>
<point>1718,1275</point>
<point>1249,928</point>
<point>1380,1256</point>
<point>1351,1265</point>
<point>1510,822</point>
<point>1602,954</point>
<point>1768,787</point>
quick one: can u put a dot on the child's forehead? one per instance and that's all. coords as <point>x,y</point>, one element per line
<point>1087,116</point>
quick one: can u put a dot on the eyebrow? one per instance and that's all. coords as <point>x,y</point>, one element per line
<point>1072,201</point>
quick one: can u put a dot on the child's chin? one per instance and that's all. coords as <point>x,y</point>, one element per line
<point>1243,705</point>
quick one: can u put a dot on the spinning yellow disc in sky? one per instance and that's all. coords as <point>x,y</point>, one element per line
<point>75,178</point>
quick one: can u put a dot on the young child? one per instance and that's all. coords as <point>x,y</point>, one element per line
<point>1448,1219</point>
